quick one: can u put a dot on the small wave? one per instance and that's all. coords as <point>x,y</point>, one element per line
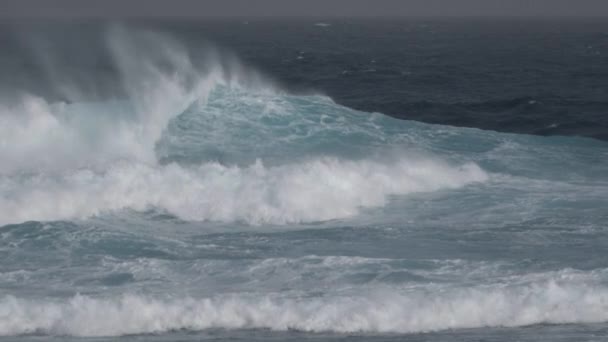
<point>554,301</point>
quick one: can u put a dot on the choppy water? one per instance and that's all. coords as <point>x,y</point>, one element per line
<point>205,202</point>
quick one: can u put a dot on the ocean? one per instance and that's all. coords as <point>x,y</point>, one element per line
<point>300,179</point>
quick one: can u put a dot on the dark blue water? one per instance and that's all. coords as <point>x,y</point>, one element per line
<point>533,76</point>
<point>304,180</point>
<point>543,76</point>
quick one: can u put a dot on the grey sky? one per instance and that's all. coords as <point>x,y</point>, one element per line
<point>204,8</point>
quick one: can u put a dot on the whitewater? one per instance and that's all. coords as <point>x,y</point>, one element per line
<point>205,201</point>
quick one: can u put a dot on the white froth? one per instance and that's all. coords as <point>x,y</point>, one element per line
<point>316,190</point>
<point>160,81</point>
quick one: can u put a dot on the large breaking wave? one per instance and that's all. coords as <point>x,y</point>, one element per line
<point>203,141</point>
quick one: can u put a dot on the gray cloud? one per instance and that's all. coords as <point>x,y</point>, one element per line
<point>223,8</point>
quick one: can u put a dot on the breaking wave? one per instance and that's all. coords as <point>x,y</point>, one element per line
<point>203,140</point>
<point>556,300</point>
<point>316,190</point>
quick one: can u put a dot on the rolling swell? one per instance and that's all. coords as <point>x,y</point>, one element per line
<point>523,115</point>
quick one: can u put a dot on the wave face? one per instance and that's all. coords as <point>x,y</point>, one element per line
<point>204,197</point>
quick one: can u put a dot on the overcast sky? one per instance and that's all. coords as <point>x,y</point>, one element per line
<point>222,8</point>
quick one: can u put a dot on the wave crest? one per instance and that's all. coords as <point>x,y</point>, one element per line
<point>157,80</point>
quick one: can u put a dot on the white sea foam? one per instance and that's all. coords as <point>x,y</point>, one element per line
<point>553,301</point>
<point>315,190</point>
